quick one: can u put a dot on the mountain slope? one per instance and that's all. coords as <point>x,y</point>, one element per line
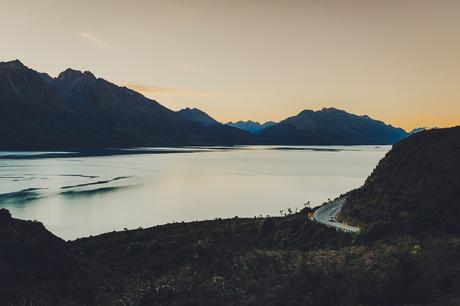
<point>414,189</point>
<point>76,109</point>
<point>251,126</point>
<point>330,126</point>
<point>32,112</point>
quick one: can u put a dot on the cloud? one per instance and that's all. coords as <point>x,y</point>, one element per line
<point>169,92</point>
<point>190,68</point>
<point>93,39</point>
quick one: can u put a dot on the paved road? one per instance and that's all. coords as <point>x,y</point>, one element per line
<point>327,215</point>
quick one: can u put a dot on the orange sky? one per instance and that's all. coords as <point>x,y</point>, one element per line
<point>395,60</point>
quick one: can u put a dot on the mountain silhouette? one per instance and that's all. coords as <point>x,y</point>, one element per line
<point>79,110</point>
<point>330,126</point>
<point>76,109</point>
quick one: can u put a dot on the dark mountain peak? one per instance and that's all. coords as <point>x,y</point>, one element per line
<point>74,84</point>
<point>324,110</point>
<point>251,122</point>
<point>189,110</point>
<point>192,110</point>
<point>331,109</point>
<point>72,74</point>
<point>89,74</point>
<point>12,64</point>
<point>335,111</point>
<point>242,122</point>
<point>198,116</point>
<point>69,73</point>
<point>305,112</point>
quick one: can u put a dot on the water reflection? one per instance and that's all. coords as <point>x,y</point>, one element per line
<point>92,194</point>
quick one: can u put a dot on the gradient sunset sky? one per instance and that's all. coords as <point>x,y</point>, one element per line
<point>395,60</point>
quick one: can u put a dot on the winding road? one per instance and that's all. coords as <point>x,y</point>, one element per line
<point>327,215</point>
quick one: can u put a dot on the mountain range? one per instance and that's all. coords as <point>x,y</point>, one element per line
<point>252,126</point>
<point>78,110</point>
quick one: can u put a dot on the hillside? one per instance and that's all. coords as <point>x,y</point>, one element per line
<point>330,126</point>
<point>414,189</point>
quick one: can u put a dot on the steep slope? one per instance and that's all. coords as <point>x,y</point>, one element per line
<point>135,120</point>
<point>32,113</point>
<point>196,115</point>
<point>79,110</point>
<point>414,189</point>
<point>252,126</point>
<point>330,126</point>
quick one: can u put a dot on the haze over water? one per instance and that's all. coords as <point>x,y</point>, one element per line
<point>80,196</point>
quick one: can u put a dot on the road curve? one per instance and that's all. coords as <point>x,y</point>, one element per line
<point>328,212</point>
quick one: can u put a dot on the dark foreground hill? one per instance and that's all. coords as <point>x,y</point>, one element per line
<point>78,110</point>
<point>414,189</point>
<point>36,266</point>
<point>283,260</point>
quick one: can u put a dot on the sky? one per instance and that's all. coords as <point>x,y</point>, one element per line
<point>394,60</point>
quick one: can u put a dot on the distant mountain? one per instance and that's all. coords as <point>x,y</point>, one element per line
<point>76,109</point>
<point>330,126</point>
<point>414,189</point>
<point>196,115</point>
<point>251,126</point>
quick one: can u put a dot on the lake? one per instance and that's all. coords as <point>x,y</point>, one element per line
<point>77,194</point>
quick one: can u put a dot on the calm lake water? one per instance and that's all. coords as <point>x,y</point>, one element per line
<point>75,195</point>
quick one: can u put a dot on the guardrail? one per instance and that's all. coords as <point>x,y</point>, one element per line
<point>342,227</point>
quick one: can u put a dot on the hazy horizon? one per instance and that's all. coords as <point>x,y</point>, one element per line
<point>395,61</point>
